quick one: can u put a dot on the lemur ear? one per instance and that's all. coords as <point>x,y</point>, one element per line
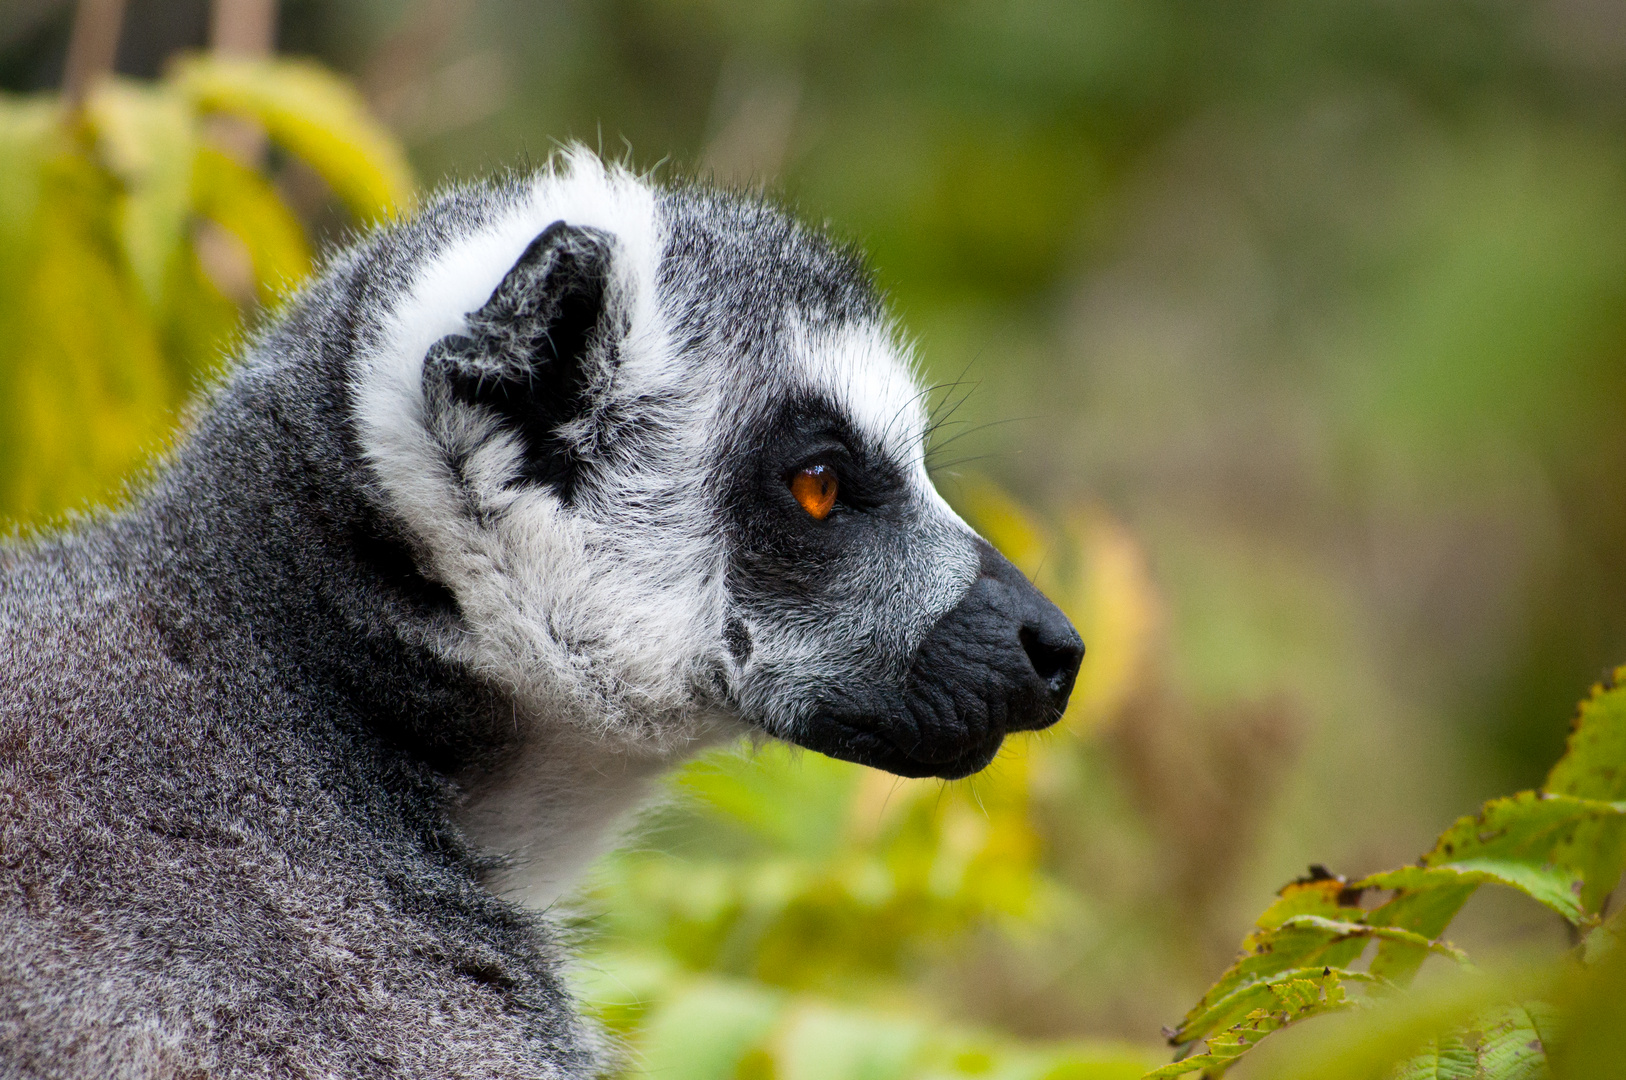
<point>534,352</point>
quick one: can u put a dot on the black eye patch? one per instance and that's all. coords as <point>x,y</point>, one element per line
<point>779,551</point>
<point>805,433</point>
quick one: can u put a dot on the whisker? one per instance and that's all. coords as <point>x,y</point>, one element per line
<point>957,462</point>
<point>937,422</point>
<point>943,444</point>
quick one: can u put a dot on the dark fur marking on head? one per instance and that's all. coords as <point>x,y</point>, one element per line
<point>738,640</point>
<point>527,355</point>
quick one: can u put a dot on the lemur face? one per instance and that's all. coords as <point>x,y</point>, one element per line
<point>665,451</point>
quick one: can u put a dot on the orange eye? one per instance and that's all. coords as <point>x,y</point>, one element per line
<point>815,488</point>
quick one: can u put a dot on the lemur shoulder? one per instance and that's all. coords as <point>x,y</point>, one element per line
<point>522,501</point>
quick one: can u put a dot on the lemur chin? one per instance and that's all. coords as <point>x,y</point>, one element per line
<point>519,503</point>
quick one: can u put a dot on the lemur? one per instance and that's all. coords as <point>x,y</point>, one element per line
<point>518,503</point>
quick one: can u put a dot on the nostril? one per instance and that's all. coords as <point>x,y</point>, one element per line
<point>1055,659</point>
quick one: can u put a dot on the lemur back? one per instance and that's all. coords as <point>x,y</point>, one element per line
<point>504,515</point>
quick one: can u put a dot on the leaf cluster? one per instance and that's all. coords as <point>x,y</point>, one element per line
<point>1563,846</point>
<point>133,240</point>
<point>791,944</point>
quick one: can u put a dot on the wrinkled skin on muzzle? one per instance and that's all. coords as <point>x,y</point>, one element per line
<point>1003,659</point>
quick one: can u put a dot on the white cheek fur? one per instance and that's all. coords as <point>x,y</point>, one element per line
<point>599,624</point>
<point>602,620</point>
<point>541,590</point>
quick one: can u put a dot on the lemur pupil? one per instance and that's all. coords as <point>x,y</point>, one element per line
<point>815,488</point>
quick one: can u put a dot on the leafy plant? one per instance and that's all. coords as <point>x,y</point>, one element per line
<point>1563,846</point>
<point>108,314</point>
<point>792,946</point>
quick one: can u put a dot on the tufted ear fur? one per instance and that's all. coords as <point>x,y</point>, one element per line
<point>537,350</point>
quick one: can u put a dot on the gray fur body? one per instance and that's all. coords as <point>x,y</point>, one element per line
<point>224,751</point>
<point>367,660</point>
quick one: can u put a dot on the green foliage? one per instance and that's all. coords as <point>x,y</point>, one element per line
<point>312,115</point>
<point>1563,846</point>
<point>1271,1005</point>
<point>1506,1042</point>
<point>109,316</point>
<point>786,940</point>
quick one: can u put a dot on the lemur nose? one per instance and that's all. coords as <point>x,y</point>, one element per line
<point>1055,650</point>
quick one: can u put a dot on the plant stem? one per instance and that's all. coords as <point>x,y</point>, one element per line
<point>92,46</point>
<point>248,29</point>
<point>243,27</point>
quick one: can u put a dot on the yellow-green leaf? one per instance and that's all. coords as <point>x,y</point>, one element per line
<point>1270,950</point>
<point>241,201</point>
<point>838,1044</point>
<point>146,136</point>
<point>88,397</point>
<point>314,115</point>
<point>1293,997</point>
<point>1594,761</point>
<point>704,1032</point>
<point>1594,767</point>
<point>1522,842</point>
<point>1427,911</point>
<point>1506,1043</point>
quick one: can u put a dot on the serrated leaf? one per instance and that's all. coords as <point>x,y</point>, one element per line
<point>1375,933</point>
<point>1292,998</point>
<point>1269,950</point>
<point>1512,1041</point>
<point>1240,1002</point>
<point>1594,767</point>
<point>1324,896</point>
<point>1521,842</point>
<point>146,137</point>
<point>1440,1059</point>
<point>1526,842</point>
<point>314,115</point>
<point>1426,912</point>
<point>1506,1043</point>
<point>1594,761</point>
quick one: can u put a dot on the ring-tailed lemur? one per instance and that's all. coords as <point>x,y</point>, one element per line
<point>522,501</point>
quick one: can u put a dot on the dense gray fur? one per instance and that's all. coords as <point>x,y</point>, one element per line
<point>277,758</point>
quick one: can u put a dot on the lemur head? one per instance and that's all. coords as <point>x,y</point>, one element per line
<point>663,447</point>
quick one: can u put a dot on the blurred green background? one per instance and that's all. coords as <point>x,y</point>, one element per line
<point>1285,342</point>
